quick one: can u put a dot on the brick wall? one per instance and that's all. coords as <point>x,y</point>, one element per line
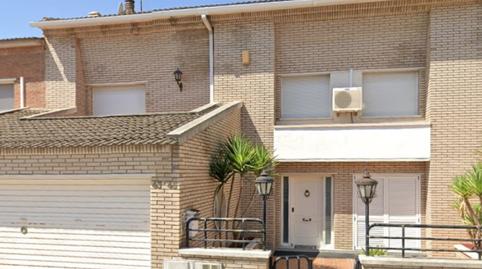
<point>27,62</point>
<point>146,53</point>
<point>455,96</point>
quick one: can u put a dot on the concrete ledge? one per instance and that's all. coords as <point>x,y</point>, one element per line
<point>225,253</point>
<point>190,129</point>
<point>392,262</point>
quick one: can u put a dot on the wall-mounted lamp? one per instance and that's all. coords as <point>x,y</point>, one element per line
<point>178,78</point>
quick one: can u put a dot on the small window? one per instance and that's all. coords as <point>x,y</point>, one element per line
<point>388,94</point>
<point>6,97</point>
<point>286,208</point>
<point>119,100</point>
<point>328,210</point>
<point>306,97</point>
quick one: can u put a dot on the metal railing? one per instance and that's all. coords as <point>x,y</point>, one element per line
<point>234,230</point>
<point>404,238</point>
<point>299,258</point>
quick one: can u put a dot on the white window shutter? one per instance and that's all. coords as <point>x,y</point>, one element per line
<point>124,100</point>
<point>6,97</point>
<point>390,94</point>
<point>306,97</point>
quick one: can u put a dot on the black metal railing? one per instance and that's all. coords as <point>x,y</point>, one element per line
<point>224,231</point>
<point>298,258</point>
<point>404,238</point>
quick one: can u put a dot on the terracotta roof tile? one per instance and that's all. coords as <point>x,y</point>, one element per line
<point>18,133</point>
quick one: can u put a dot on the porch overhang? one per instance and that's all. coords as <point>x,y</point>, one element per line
<point>353,143</point>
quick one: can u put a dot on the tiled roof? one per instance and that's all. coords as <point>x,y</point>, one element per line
<point>148,129</point>
<point>173,8</point>
<point>21,38</point>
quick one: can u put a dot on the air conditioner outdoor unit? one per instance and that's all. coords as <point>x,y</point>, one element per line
<point>347,99</point>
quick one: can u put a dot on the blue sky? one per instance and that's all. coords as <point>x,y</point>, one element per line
<point>16,14</point>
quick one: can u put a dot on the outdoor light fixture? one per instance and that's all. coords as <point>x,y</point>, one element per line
<point>178,78</point>
<point>264,185</point>
<point>366,191</point>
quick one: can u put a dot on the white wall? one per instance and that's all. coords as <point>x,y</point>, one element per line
<point>353,143</point>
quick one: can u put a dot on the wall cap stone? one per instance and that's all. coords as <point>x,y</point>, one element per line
<point>225,253</point>
<point>393,262</point>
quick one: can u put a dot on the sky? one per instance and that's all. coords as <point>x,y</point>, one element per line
<point>15,22</point>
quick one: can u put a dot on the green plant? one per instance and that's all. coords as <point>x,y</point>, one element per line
<point>375,252</point>
<point>468,189</point>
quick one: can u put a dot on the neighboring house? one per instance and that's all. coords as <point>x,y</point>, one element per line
<point>104,177</point>
<point>22,73</point>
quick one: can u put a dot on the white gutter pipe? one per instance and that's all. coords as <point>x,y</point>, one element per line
<point>22,92</point>
<point>208,25</point>
<point>196,11</point>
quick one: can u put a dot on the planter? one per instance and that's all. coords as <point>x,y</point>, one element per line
<point>465,247</point>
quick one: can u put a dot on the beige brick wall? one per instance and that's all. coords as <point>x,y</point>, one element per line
<point>147,53</point>
<point>455,98</point>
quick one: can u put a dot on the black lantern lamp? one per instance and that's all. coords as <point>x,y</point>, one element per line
<point>178,78</point>
<point>264,185</point>
<point>366,191</point>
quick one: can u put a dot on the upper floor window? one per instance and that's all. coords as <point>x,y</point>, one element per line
<point>6,96</point>
<point>306,97</point>
<point>390,94</point>
<point>118,100</point>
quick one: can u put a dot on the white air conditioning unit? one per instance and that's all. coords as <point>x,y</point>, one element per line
<point>177,264</point>
<point>206,265</point>
<point>347,99</point>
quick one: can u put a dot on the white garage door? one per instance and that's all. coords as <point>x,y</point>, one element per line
<point>74,223</point>
<point>397,201</point>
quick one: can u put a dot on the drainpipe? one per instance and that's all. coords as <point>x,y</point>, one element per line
<point>208,25</point>
<point>22,92</point>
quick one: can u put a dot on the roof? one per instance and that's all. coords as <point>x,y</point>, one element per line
<point>21,42</point>
<point>216,9</point>
<point>171,9</point>
<point>18,132</point>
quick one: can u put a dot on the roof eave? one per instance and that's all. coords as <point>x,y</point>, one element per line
<point>214,10</point>
<point>20,43</point>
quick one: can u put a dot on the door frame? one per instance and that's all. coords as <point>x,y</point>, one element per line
<point>323,177</point>
<point>418,201</point>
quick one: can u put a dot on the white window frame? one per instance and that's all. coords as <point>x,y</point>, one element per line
<point>418,201</point>
<point>282,216</point>
<point>395,70</point>
<point>300,75</point>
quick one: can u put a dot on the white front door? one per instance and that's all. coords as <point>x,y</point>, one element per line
<point>306,210</point>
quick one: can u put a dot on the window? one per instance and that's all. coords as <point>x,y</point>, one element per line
<point>6,97</point>
<point>306,97</point>
<point>119,100</point>
<point>286,209</point>
<point>328,210</point>
<point>388,94</point>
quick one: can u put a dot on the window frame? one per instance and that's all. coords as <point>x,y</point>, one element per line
<point>12,82</point>
<point>300,75</point>
<point>418,70</point>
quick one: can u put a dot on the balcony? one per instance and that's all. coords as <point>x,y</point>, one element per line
<point>353,142</point>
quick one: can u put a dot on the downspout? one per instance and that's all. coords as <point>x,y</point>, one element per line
<point>22,92</point>
<point>208,25</point>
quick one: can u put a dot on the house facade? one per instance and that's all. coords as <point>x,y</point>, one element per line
<point>333,88</point>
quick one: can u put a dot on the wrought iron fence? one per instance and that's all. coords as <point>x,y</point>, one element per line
<point>404,238</point>
<point>298,258</point>
<point>225,230</point>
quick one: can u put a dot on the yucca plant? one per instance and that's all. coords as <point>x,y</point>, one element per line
<point>468,189</point>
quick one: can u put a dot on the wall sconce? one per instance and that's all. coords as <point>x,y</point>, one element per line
<point>245,57</point>
<point>178,78</point>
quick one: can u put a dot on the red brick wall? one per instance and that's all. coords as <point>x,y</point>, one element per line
<point>27,62</point>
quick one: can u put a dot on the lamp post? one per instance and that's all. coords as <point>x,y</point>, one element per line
<point>366,191</point>
<point>264,185</point>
